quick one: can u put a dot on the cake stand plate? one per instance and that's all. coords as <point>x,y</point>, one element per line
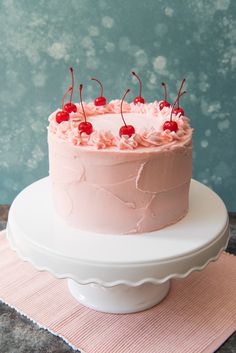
<point>117,273</point>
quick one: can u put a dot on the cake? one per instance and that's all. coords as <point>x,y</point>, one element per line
<point>109,182</point>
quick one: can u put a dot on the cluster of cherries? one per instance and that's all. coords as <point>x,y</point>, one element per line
<point>172,125</point>
<point>129,130</point>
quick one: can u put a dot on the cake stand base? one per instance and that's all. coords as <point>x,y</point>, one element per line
<point>116,273</point>
<point>120,299</point>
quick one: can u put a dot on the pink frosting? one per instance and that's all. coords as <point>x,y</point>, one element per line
<point>104,137</point>
<point>118,192</point>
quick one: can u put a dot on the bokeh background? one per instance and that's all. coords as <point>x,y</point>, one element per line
<point>163,40</point>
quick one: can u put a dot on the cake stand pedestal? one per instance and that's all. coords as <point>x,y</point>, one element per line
<point>117,273</point>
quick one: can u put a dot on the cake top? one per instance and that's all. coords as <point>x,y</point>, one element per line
<point>119,125</point>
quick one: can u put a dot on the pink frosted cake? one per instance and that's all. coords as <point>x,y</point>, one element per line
<point>108,180</point>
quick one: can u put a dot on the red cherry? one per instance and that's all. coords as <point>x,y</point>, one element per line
<point>84,126</point>
<point>99,101</point>
<point>164,103</point>
<point>138,99</point>
<point>178,111</point>
<point>126,129</point>
<point>62,116</point>
<point>170,125</point>
<point>71,107</point>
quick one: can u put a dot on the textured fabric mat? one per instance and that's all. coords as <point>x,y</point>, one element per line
<point>198,315</point>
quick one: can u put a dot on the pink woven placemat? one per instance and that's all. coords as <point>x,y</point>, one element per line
<point>198,315</point>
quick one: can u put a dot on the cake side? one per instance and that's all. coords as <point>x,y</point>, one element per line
<point>120,185</point>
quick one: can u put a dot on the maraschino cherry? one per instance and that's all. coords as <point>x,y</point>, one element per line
<point>171,124</point>
<point>179,110</point>
<point>63,115</point>
<point>99,101</point>
<point>84,126</point>
<point>138,99</point>
<point>164,103</point>
<point>125,129</point>
<point>71,107</point>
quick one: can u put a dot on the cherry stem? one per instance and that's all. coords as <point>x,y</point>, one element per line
<point>177,100</point>
<point>180,89</point>
<point>140,83</point>
<point>64,97</point>
<point>73,83</point>
<point>121,105</point>
<point>164,91</point>
<point>81,101</point>
<point>99,82</point>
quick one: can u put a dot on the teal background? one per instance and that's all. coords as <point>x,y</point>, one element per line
<point>162,40</point>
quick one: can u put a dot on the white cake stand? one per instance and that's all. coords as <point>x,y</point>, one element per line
<point>115,273</point>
